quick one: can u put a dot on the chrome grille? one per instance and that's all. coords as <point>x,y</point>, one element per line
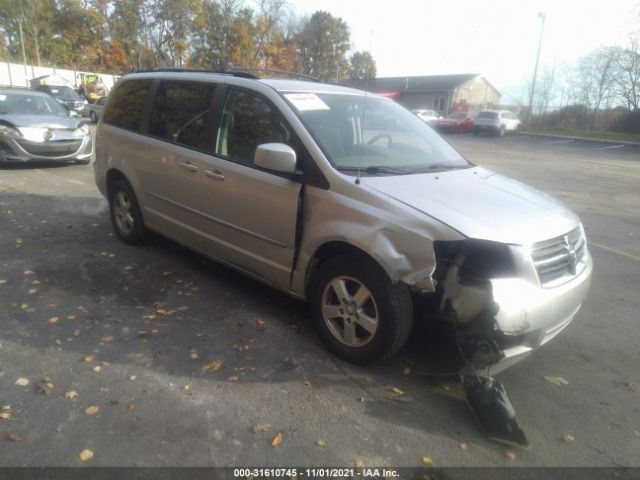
<point>560,259</point>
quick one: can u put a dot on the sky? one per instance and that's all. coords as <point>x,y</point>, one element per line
<point>496,38</point>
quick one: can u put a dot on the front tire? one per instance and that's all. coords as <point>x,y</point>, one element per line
<point>360,314</point>
<point>501,131</point>
<point>125,213</point>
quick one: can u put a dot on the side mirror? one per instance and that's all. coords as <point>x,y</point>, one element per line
<point>275,156</point>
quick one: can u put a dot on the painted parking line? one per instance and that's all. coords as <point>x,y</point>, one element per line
<point>557,141</point>
<point>611,146</point>
<point>613,250</point>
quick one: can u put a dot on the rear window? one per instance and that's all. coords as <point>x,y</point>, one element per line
<point>488,115</point>
<point>126,104</point>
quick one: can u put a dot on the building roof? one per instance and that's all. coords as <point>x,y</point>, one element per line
<point>424,83</point>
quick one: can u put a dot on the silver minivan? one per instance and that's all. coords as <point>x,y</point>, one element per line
<point>344,199</point>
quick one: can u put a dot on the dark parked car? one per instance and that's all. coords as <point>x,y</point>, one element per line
<point>66,96</point>
<point>34,126</point>
<point>456,122</point>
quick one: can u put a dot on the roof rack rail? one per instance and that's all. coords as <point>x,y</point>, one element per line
<point>198,70</point>
<point>291,74</point>
<point>241,72</point>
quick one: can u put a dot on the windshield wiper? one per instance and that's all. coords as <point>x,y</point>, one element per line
<point>438,166</point>
<point>375,169</point>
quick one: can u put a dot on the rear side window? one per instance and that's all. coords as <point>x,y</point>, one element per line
<point>180,113</point>
<point>126,104</point>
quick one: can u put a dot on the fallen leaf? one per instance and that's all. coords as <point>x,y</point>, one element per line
<point>107,339</point>
<point>194,356</point>
<point>45,386</point>
<point>427,460</point>
<point>86,455</point>
<point>321,443</point>
<point>510,455</point>
<point>406,371</point>
<point>24,306</point>
<point>232,379</point>
<point>13,437</point>
<point>92,410</point>
<point>186,388</point>
<point>97,368</point>
<point>463,446</point>
<point>359,463</point>
<point>70,395</point>
<point>32,291</point>
<point>555,380</point>
<point>307,383</point>
<point>71,317</point>
<point>53,320</point>
<point>22,382</point>
<point>88,358</point>
<point>260,427</point>
<point>5,412</point>
<point>277,440</point>
<point>213,366</point>
<point>568,438</point>
<point>260,321</point>
<point>2,281</point>
<point>397,391</point>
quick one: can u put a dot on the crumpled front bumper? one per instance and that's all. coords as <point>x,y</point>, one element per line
<point>531,315</point>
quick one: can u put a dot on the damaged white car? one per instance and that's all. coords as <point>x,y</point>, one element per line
<point>344,199</point>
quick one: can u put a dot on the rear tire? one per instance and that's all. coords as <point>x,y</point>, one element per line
<point>93,116</point>
<point>360,314</point>
<point>126,216</point>
<point>501,131</point>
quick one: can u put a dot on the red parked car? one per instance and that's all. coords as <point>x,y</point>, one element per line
<point>456,122</point>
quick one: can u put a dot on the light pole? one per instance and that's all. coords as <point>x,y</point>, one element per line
<point>535,69</point>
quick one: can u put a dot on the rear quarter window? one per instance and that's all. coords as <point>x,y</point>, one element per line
<point>126,104</point>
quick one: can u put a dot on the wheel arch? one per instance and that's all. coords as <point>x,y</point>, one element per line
<point>334,248</point>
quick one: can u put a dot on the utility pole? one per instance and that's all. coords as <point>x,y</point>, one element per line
<point>24,55</point>
<point>542,17</point>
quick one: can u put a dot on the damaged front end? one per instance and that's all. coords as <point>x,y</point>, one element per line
<point>492,294</point>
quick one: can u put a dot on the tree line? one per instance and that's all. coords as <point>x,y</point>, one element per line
<point>600,91</point>
<point>120,36</point>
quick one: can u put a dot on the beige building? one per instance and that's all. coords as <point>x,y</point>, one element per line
<point>442,93</point>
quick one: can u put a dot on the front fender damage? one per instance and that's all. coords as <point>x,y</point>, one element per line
<point>486,303</point>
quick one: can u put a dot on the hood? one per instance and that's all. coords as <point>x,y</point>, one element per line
<point>41,121</point>
<point>481,204</point>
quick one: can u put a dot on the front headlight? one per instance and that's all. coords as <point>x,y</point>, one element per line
<point>10,131</point>
<point>81,131</point>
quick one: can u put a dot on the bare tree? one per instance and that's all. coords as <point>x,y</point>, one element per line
<point>627,78</point>
<point>592,81</point>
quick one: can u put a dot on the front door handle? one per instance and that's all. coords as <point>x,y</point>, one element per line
<point>189,166</point>
<point>215,174</point>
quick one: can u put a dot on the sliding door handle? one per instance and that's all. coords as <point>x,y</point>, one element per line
<point>189,166</point>
<point>215,174</point>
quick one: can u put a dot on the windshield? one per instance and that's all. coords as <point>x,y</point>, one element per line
<point>20,103</point>
<point>457,115</point>
<point>64,92</point>
<point>373,135</point>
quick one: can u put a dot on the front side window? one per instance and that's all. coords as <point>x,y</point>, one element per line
<point>126,105</point>
<point>248,121</point>
<point>373,135</point>
<point>180,113</point>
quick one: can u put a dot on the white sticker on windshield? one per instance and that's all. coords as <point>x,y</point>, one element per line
<point>306,101</point>
<point>3,98</point>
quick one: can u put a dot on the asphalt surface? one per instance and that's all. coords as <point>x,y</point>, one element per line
<point>74,298</point>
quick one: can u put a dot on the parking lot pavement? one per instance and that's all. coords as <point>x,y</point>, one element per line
<point>189,363</point>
